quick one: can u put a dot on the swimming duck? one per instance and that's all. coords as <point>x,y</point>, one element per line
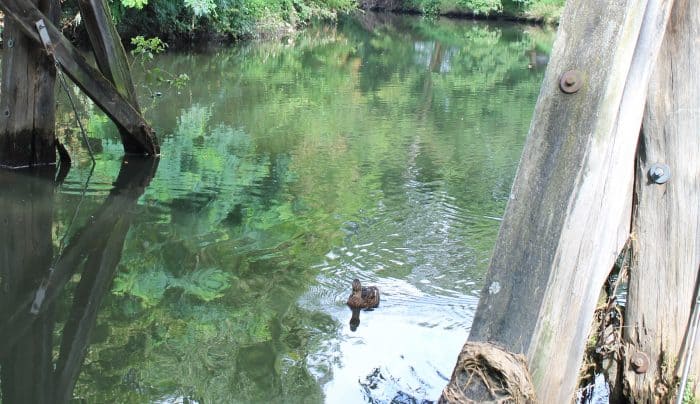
<point>363,297</point>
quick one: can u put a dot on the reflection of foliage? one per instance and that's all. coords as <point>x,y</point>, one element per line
<point>264,160</point>
<point>205,284</point>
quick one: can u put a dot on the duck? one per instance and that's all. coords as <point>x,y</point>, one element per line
<point>366,297</point>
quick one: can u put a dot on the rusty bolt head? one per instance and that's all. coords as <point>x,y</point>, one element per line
<point>571,81</point>
<point>640,362</point>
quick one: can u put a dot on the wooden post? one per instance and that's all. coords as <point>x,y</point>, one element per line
<point>110,55</point>
<point>27,116</point>
<point>142,139</point>
<point>107,47</point>
<point>666,221</point>
<point>570,207</point>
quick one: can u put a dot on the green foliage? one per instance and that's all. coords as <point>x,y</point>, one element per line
<point>431,8</point>
<point>144,51</point>
<point>547,10</point>
<point>146,48</point>
<point>175,19</point>
<point>482,6</point>
<point>688,396</point>
<point>137,4</point>
<point>201,8</point>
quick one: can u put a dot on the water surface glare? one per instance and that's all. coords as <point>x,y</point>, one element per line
<point>381,149</point>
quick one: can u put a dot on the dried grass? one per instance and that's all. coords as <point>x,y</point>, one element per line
<point>488,373</point>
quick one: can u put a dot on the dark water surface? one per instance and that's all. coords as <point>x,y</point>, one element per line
<point>382,149</point>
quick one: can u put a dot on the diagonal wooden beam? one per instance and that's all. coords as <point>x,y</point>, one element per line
<point>107,47</point>
<point>141,137</point>
<point>108,50</point>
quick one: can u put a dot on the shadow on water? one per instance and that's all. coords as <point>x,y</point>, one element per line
<point>32,279</point>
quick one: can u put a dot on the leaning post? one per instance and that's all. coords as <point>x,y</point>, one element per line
<point>666,224</point>
<point>110,57</point>
<point>569,211</point>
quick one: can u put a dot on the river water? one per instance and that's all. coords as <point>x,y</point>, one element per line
<point>382,148</point>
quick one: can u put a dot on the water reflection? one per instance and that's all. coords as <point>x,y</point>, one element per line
<point>32,279</point>
<point>381,150</point>
<point>354,319</point>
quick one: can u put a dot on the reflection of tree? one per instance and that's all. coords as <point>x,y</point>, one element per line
<point>31,283</point>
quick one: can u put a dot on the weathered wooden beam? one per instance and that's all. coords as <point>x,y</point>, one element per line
<point>666,224</point>
<point>570,205</point>
<point>141,138</point>
<point>108,50</point>
<point>27,107</point>
<point>107,47</point>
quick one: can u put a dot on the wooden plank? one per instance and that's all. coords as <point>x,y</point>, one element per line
<point>109,51</point>
<point>107,47</point>
<point>570,206</point>
<point>27,118</point>
<point>142,139</point>
<point>666,224</point>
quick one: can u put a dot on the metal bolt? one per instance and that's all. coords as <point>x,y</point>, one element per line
<point>659,173</point>
<point>571,81</point>
<point>640,362</point>
<point>10,43</point>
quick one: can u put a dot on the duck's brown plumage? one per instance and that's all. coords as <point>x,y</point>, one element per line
<point>363,297</point>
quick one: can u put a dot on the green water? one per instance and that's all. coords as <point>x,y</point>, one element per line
<point>382,149</point>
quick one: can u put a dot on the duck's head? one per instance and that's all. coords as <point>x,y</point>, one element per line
<point>356,285</point>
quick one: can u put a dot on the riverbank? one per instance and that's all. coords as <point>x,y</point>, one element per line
<point>545,12</point>
<point>183,24</point>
